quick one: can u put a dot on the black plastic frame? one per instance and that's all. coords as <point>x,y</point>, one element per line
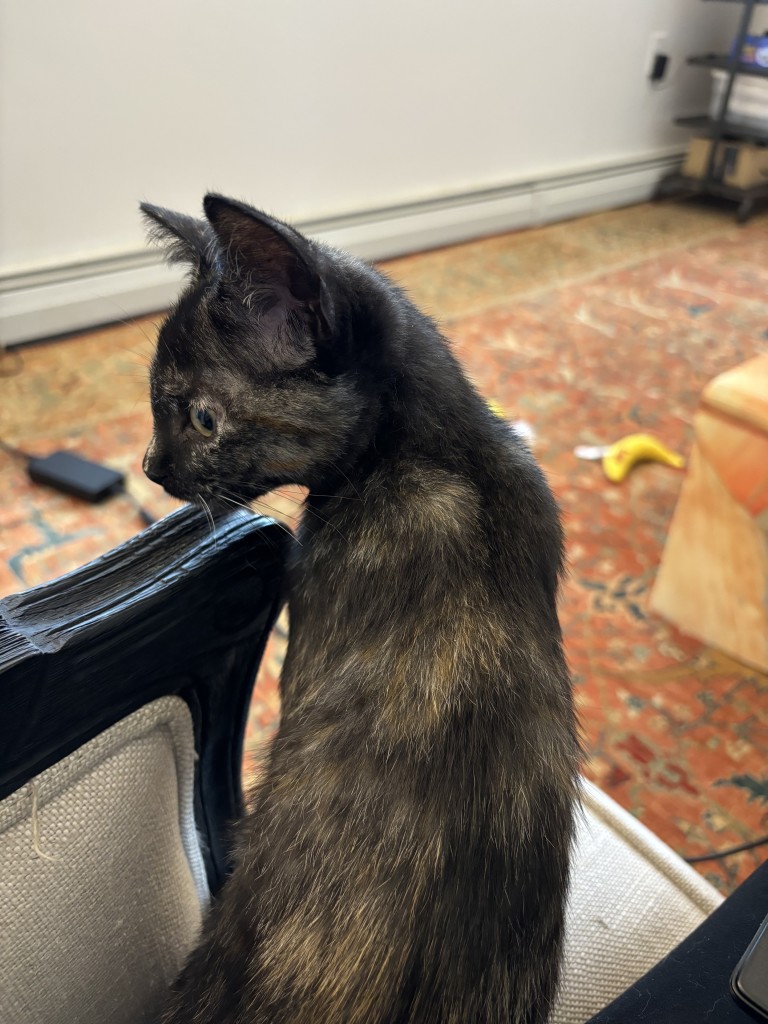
<point>177,610</point>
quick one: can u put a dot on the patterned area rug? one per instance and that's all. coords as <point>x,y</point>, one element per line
<point>587,331</point>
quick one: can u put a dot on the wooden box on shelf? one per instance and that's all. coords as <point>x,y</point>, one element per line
<point>713,579</point>
<point>741,164</point>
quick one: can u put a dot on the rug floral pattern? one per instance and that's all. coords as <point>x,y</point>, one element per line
<point>587,331</point>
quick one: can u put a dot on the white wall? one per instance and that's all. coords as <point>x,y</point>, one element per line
<point>314,108</point>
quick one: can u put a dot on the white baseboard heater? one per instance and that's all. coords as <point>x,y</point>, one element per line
<point>76,296</point>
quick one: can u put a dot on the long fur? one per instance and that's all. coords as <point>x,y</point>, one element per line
<point>407,856</point>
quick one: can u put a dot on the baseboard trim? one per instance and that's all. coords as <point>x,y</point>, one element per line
<point>70,297</point>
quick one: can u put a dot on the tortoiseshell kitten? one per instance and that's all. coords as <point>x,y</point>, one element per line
<point>407,856</point>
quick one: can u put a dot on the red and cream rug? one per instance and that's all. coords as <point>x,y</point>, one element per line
<point>588,331</point>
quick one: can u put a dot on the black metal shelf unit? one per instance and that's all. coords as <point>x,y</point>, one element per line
<point>722,129</point>
<point>704,125</point>
<point>714,60</point>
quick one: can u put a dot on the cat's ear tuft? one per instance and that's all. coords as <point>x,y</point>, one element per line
<point>270,256</point>
<point>185,240</point>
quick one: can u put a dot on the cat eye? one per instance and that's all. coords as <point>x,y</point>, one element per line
<point>203,420</point>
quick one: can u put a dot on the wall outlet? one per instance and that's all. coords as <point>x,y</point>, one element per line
<point>658,46</point>
<point>660,65</point>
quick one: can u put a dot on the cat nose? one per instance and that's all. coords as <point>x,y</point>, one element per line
<point>154,476</point>
<point>156,469</point>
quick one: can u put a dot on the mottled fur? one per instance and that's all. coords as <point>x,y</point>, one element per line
<point>407,856</point>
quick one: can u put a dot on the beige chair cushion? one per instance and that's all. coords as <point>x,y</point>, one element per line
<point>102,883</point>
<point>632,901</point>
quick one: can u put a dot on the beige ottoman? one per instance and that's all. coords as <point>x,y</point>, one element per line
<point>713,579</point>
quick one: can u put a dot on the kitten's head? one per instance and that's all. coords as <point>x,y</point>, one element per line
<point>250,386</point>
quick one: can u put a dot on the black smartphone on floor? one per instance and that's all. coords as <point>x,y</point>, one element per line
<point>749,981</point>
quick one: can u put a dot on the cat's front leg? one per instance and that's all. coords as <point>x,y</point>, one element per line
<point>211,988</point>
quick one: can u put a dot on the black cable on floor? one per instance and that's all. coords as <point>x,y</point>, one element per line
<point>728,851</point>
<point>146,517</point>
<point>19,453</point>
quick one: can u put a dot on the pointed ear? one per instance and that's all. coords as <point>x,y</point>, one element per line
<point>184,239</point>
<point>272,256</point>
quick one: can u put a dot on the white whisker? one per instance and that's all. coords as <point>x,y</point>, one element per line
<point>313,512</point>
<point>211,520</point>
<point>277,522</point>
<point>340,470</point>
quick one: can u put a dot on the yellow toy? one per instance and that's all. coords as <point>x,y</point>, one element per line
<point>619,458</point>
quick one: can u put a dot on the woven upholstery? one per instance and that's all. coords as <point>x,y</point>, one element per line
<point>102,884</point>
<point>632,901</point>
